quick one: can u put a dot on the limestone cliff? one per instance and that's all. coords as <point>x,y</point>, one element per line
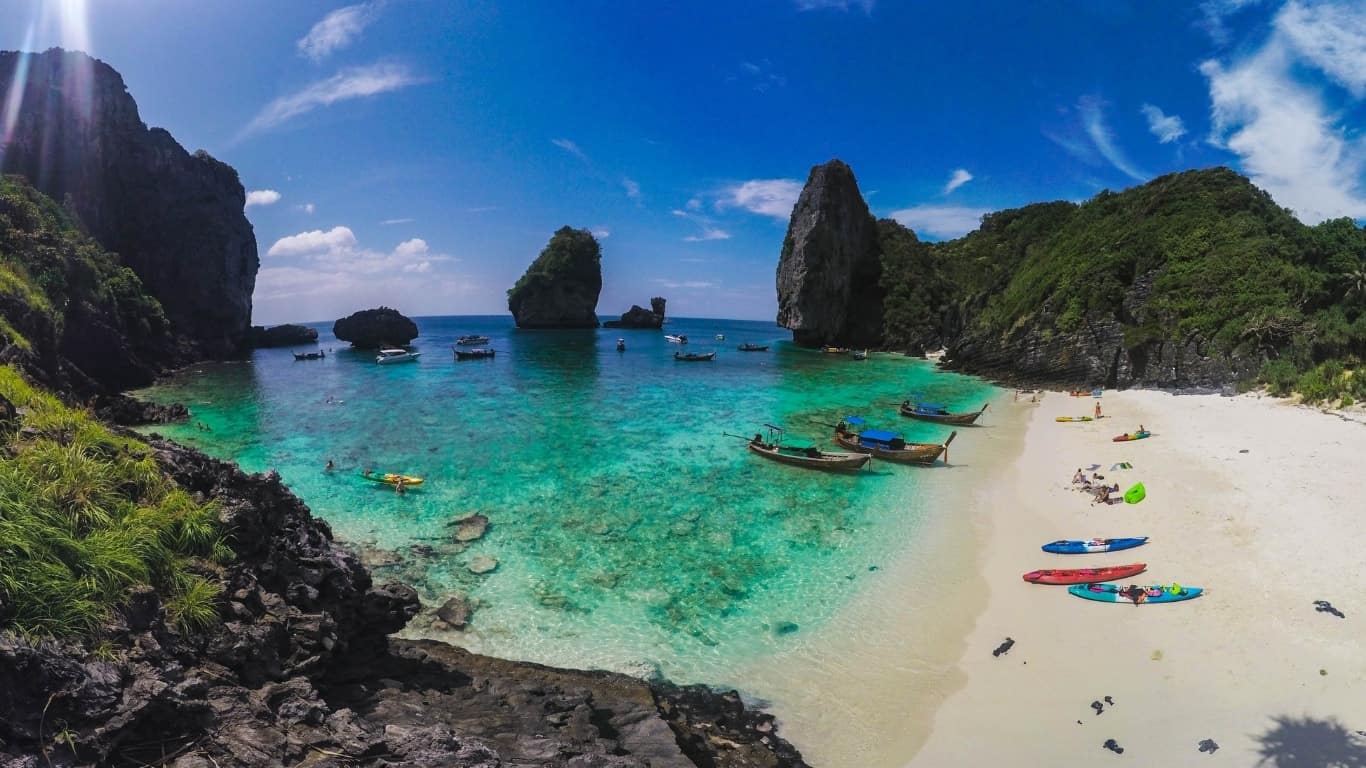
<point>175,218</point>
<point>560,289</point>
<point>829,289</point>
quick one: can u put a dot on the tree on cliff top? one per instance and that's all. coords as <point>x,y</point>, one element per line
<point>571,256</point>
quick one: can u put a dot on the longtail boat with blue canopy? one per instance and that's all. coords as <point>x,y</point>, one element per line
<point>888,446</point>
<point>939,414</point>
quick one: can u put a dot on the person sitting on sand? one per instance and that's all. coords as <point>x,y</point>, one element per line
<point>1102,495</point>
<point>1080,477</point>
<point>1142,429</point>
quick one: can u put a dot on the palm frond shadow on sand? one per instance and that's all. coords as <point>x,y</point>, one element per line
<point>1310,743</point>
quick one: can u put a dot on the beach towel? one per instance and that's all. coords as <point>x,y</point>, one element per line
<point>1121,465</point>
<point>1093,468</point>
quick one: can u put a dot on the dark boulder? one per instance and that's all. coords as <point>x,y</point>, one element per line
<point>375,328</point>
<point>829,289</point>
<point>130,412</point>
<point>287,335</point>
<point>455,611</point>
<point>640,317</point>
<point>176,219</point>
<point>560,289</point>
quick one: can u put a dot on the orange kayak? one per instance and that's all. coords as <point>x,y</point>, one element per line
<point>1084,575</point>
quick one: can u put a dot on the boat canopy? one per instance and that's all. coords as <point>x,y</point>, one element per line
<point>877,435</point>
<point>853,420</point>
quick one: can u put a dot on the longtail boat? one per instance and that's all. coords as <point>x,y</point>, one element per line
<point>804,456</point>
<point>835,350</point>
<point>888,446</point>
<point>694,357</point>
<point>472,354</point>
<point>753,347</point>
<point>939,414</point>
<point>310,355</point>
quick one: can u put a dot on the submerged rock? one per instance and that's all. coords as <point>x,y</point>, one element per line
<point>829,289</point>
<point>471,528</point>
<point>455,611</point>
<point>482,564</point>
<point>560,289</point>
<point>287,335</point>
<point>375,328</point>
<point>641,318</point>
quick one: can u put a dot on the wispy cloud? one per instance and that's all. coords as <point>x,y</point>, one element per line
<point>308,208</point>
<point>840,5</point>
<point>941,221</point>
<point>686,284</point>
<point>761,76</point>
<point>348,84</point>
<point>396,221</point>
<point>1288,140</point>
<point>262,197</point>
<point>602,233</point>
<point>767,197</point>
<point>1214,13</point>
<point>1167,128</point>
<point>571,148</point>
<point>337,30</point>
<point>959,177</point>
<point>631,187</point>
<point>708,233</point>
<point>1093,121</point>
<point>483,208</point>
<point>707,229</point>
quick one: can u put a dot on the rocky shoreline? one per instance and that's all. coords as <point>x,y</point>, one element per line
<point>301,671</point>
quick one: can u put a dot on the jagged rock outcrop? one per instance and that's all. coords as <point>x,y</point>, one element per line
<point>287,335</point>
<point>829,289</point>
<point>560,289</point>
<point>175,218</point>
<point>641,318</point>
<point>130,412</point>
<point>375,328</point>
<point>300,672</point>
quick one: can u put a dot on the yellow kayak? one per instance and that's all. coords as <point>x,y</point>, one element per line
<point>1073,418</point>
<point>390,478</point>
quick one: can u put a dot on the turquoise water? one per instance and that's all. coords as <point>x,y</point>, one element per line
<point>630,532</point>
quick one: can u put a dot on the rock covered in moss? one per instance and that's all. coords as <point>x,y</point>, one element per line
<point>560,289</point>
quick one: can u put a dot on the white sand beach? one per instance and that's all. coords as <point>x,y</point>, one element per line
<point>1260,502</point>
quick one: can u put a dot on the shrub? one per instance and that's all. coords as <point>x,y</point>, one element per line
<point>1280,376</point>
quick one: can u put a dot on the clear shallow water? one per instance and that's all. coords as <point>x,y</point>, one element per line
<point>630,533</point>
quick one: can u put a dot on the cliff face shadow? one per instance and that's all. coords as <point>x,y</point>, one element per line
<point>1309,743</point>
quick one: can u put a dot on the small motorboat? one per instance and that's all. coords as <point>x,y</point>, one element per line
<point>467,341</point>
<point>320,354</point>
<point>720,337</point>
<point>472,354</point>
<point>679,339</point>
<point>392,356</point>
<point>753,347</point>
<point>859,354</point>
<point>621,345</point>
<point>694,357</point>
<point>835,350</point>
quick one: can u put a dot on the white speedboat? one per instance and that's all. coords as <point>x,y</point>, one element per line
<point>621,345</point>
<point>472,340</point>
<point>392,356</point>
<point>720,337</point>
<point>679,339</point>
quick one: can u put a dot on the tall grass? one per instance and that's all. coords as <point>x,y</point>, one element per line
<point>85,515</point>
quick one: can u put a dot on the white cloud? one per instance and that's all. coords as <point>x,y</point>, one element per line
<point>337,30</point>
<point>307,208</point>
<point>388,222</point>
<point>760,75</point>
<point>1093,121</point>
<point>767,197</point>
<point>1167,128</point>
<point>314,242</point>
<point>1213,15</point>
<point>262,197</point>
<point>1289,142</point>
<point>571,148</point>
<point>691,284</point>
<point>941,221</point>
<point>841,5</point>
<point>631,187</point>
<point>1329,36</point>
<point>602,233</point>
<point>695,204</point>
<point>350,83</point>
<point>708,233</point>
<point>958,179</point>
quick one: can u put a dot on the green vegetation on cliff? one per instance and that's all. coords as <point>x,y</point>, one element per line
<point>1201,257</point>
<point>60,293</point>
<point>85,516</point>
<point>561,286</point>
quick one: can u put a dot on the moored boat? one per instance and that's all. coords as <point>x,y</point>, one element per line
<point>1135,594</point>
<point>679,339</point>
<point>859,354</point>
<point>472,354</point>
<point>808,456</point>
<point>835,350</point>
<point>391,356</point>
<point>753,347</point>
<point>390,478</point>
<point>888,446</point>
<point>472,340</point>
<point>621,345</point>
<point>939,414</point>
<point>1084,575</point>
<point>720,337</point>
<point>320,354</point>
<point>693,357</point>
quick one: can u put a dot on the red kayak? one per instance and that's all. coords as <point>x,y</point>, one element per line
<point>1085,575</point>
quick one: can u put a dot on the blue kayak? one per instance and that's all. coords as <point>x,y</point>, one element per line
<point>1064,547</point>
<point>1135,594</point>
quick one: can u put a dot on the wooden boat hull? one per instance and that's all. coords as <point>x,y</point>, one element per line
<point>694,358</point>
<point>913,453</point>
<point>752,348</point>
<point>473,355</point>
<point>955,419</point>
<point>830,462</point>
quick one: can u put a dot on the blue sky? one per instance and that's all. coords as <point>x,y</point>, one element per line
<point>419,154</point>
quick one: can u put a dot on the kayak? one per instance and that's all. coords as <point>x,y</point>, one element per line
<point>1065,547</point>
<point>1134,594</point>
<point>390,478</point>
<point>1135,494</point>
<point>1074,418</point>
<point>1084,575</point>
<point>1126,437</point>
